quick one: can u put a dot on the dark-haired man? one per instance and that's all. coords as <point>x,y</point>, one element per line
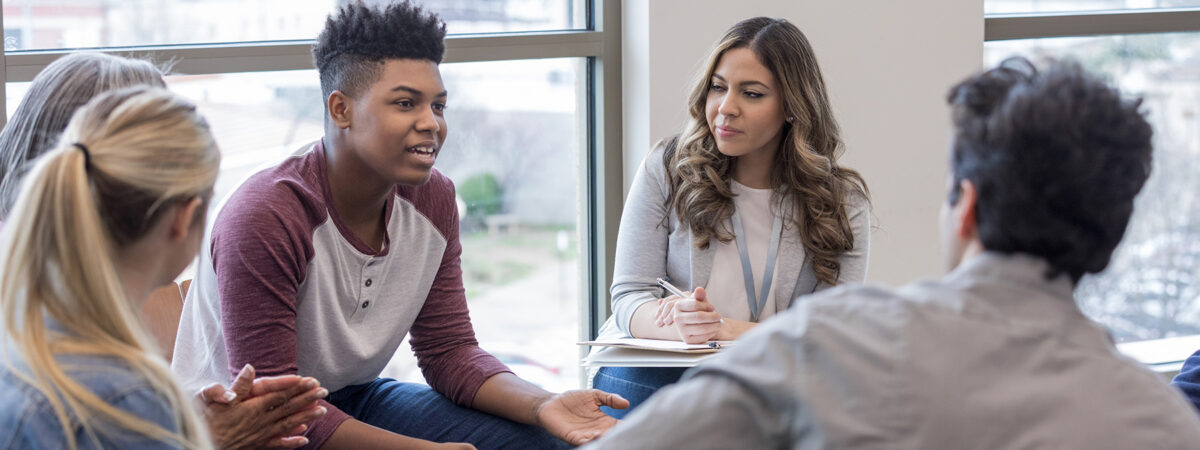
<point>322,264</point>
<point>1044,170</point>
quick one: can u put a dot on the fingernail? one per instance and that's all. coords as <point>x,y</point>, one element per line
<point>229,396</point>
<point>320,411</point>
<point>310,383</point>
<point>323,393</point>
<point>303,426</point>
<point>303,441</point>
<point>245,370</point>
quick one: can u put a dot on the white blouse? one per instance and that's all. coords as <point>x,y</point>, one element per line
<point>726,286</point>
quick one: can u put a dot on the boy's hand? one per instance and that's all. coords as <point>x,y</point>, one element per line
<point>575,416</point>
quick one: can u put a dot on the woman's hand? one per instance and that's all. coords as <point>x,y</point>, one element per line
<point>666,309</point>
<point>270,412</point>
<point>694,319</point>
<point>730,329</point>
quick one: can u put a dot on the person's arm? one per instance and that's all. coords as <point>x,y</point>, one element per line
<point>441,336</point>
<point>573,416</point>
<point>641,253</point>
<point>453,364</point>
<point>692,320</point>
<point>732,329</point>
<point>854,262</point>
<point>646,321</point>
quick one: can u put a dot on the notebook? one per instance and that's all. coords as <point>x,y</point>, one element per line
<point>660,345</point>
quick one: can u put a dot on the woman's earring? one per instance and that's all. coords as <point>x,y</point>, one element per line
<point>790,118</point>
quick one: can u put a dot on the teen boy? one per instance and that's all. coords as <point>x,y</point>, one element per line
<point>322,264</point>
<point>1045,167</point>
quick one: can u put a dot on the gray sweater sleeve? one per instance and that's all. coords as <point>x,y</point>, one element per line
<point>854,262</point>
<point>642,241</point>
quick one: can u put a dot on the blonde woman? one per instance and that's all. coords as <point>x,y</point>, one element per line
<point>747,206</point>
<point>113,211</point>
<point>253,413</point>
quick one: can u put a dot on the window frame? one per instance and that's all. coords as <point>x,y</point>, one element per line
<point>1000,27</point>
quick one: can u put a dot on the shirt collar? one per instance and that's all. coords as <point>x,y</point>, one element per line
<point>1016,284</point>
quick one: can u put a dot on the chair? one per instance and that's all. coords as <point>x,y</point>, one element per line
<point>161,314</point>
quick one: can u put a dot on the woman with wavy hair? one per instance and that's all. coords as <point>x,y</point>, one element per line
<point>748,205</point>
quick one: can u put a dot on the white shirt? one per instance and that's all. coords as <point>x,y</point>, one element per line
<point>727,286</point>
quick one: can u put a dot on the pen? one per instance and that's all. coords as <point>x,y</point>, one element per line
<point>671,288</point>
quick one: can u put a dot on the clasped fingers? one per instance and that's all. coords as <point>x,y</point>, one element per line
<point>666,309</point>
<point>697,327</point>
<point>691,305</point>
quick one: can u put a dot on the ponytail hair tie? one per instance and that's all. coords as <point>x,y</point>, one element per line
<point>87,155</point>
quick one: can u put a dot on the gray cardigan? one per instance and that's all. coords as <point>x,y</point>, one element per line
<point>646,250</point>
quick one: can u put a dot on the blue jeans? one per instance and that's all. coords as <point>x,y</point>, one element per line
<point>415,410</point>
<point>636,384</point>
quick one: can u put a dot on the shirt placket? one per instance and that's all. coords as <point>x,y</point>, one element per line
<point>368,286</point>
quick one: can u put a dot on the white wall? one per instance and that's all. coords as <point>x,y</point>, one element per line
<point>888,65</point>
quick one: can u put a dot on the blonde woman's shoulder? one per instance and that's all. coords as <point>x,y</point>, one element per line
<point>31,420</point>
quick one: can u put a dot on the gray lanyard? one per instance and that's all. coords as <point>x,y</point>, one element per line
<point>757,303</point>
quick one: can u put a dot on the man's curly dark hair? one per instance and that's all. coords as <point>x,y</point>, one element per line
<point>1056,158</point>
<point>358,38</point>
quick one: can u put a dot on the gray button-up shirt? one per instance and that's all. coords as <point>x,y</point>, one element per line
<point>992,356</point>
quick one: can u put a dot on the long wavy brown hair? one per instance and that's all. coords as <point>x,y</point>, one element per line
<point>814,190</point>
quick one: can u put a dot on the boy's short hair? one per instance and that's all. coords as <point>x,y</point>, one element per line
<point>1056,158</point>
<point>358,38</point>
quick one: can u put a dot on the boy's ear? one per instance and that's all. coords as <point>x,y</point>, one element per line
<point>338,105</point>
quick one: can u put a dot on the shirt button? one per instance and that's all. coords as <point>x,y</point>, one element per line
<point>368,282</point>
<point>366,304</point>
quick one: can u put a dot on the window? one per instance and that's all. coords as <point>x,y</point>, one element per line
<point>1054,6</point>
<point>513,152</point>
<point>1151,288</point>
<point>531,116</point>
<point>68,24</point>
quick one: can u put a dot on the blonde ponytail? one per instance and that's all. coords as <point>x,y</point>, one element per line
<point>139,150</point>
